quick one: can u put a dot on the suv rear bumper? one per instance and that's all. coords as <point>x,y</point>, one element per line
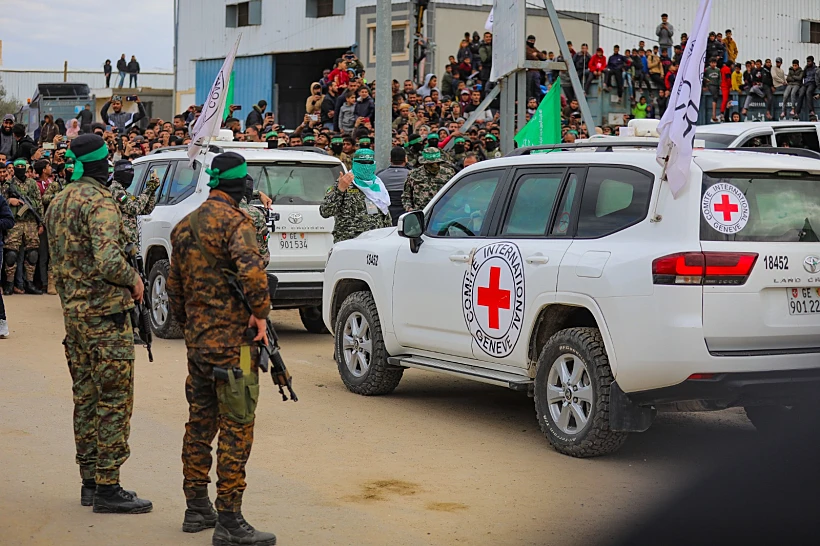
<point>297,289</point>
<point>723,390</point>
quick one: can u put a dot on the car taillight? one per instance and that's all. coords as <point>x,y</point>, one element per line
<point>704,268</point>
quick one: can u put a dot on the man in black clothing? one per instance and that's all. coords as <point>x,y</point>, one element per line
<point>768,87</point>
<point>25,145</point>
<point>329,105</point>
<point>393,178</point>
<point>133,70</point>
<point>257,114</point>
<point>85,117</point>
<point>122,68</point>
<point>581,62</point>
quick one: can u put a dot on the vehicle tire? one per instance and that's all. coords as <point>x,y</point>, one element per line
<point>779,419</point>
<point>156,292</point>
<point>572,382</point>
<point>360,353</point>
<point>312,320</point>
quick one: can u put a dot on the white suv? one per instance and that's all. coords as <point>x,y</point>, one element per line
<point>296,181</point>
<point>576,277</point>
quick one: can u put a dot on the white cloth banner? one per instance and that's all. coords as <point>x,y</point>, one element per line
<point>488,26</point>
<point>210,120</point>
<point>677,127</point>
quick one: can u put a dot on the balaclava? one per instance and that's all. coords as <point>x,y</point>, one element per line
<point>458,145</point>
<point>90,155</point>
<point>228,173</point>
<point>415,143</point>
<point>20,168</point>
<point>337,144</point>
<point>490,142</point>
<point>124,172</point>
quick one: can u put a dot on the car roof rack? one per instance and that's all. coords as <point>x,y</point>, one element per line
<point>211,148</point>
<point>599,146</point>
<point>798,152</point>
<point>313,149</point>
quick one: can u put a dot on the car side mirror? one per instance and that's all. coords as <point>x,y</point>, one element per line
<point>411,226</point>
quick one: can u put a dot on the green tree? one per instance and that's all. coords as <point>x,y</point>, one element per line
<point>7,105</point>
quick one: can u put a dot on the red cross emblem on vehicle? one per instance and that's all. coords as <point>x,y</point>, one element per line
<point>494,297</point>
<point>726,207</point>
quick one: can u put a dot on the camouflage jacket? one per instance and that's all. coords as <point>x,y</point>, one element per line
<point>56,186</point>
<point>421,186</point>
<point>133,206</point>
<point>30,190</point>
<point>85,244</point>
<point>495,154</point>
<point>412,158</point>
<point>261,227</point>
<point>200,297</point>
<point>349,209</point>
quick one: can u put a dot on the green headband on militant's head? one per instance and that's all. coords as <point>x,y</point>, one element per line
<point>414,141</point>
<point>337,140</point>
<point>240,171</point>
<point>99,154</point>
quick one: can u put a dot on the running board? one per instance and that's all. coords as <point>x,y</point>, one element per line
<point>510,380</point>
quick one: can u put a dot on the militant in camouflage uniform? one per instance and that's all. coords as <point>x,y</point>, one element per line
<point>132,206</point>
<point>355,211</point>
<point>336,150</point>
<point>97,289</point>
<point>260,223</point>
<point>415,146</point>
<point>424,182</point>
<point>214,323</point>
<point>24,237</point>
<point>491,147</point>
<point>433,142</point>
<point>459,152</point>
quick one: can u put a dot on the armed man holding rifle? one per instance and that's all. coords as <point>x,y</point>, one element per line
<point>215,254</point>
<point>23,197</point>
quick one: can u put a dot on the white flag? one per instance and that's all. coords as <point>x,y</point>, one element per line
<point>210,120</point>
<point>488,26</point>
<point>677,127</point>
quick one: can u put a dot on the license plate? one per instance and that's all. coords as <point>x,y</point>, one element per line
<point>294,241</point>
<point>803,301</point>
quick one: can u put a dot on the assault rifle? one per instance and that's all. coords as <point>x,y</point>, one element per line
<point>15,192</point>
<point>268,353</point>
<point>140,317</point>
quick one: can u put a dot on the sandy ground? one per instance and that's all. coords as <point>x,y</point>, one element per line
<point>441,461</point>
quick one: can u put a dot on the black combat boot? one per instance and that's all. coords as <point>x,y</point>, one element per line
<point>231,528</point>
<point>113,499</point>
<point>8,289</point>
<point>200,514</point>
<point>87,492</point>
<point>31,289</point>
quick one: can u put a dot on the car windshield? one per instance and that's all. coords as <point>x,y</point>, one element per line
<point>715,140</point>
<point>782,207</point>
<point>293,182</point>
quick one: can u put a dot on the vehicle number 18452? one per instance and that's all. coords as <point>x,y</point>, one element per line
<point>776,262</point>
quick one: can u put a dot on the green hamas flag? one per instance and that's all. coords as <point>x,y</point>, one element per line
<point>545,125</point>
<point>228,99</point>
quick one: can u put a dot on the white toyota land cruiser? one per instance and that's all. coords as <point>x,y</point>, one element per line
<point>296,181</point>
<point>578,278</point>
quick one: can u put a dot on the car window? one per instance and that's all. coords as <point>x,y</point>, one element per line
<point>160,170</point>
<point>799,139</point>
<point>137,183</point>
<point>532,203</point>
<point>561,225</point>
<point>614,198</point>
<point>182,183</point>
<point>760,141</point>
<point>294,183</point>
<point>461,211</point>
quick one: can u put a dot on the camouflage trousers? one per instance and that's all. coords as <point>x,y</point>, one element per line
<point>100,355</point>
<point>22,238</point>
<point>206,417</point>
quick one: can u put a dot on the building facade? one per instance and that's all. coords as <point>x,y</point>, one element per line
<point>287,43</point>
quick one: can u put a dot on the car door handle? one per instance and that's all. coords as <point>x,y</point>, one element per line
<point>537,259</point>
<point>145,218</point>
<point>460,258</point>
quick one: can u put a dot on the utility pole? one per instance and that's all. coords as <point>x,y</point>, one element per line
<point>384,81</point>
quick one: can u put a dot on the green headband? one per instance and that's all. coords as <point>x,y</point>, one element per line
<point>20,163</point>
<point>308,138</point>
<point>234,173</point>
<point>337,140</point>
<point>431,156</point>
<point>491,136</point>
<point>364,140</point>
<point>99,154</point>
<point>459,140</point>
<point>271,134</point>
<point>414,141</point>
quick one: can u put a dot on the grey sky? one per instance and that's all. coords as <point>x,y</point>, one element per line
<point>44,33</point>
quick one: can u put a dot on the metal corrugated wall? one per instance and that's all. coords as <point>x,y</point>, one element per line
<point>253,80</point>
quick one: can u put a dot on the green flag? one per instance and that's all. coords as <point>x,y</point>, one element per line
<point>545,125</point>
<point>228,99</point>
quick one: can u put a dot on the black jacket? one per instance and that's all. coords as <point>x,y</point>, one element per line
<point>6,219</point>
<point>122,65</point>
<point>25,148</point>
<point>328,105</point>
<point>254,117</point>
<point>133,67</point>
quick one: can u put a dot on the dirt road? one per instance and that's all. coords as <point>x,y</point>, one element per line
<point>441,461</point>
